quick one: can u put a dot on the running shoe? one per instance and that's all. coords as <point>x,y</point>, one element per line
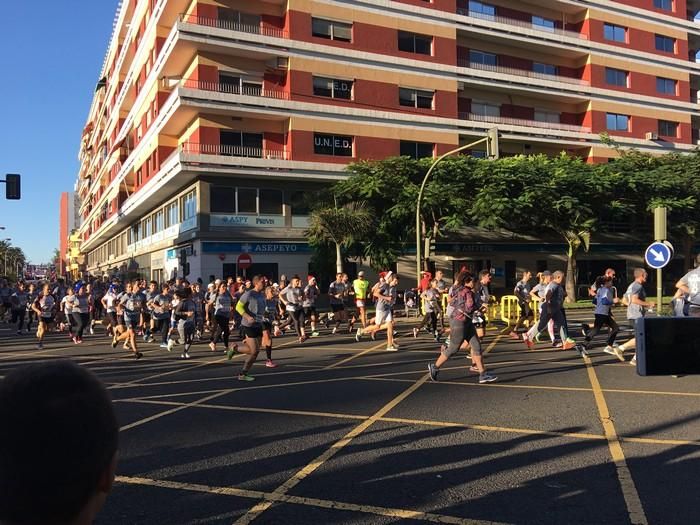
<point>582,350</point>
<point>557,344</point>
<point>585,329</point>
<point>150,339</point>
<point>278,332</point>
<point>473,368</point>
<point>335,329</point>
<point>468,355</point>
<point>212,346</point>
<point>314,334</point>
<point>92,331</point>
<point>568,344</point>
<point>231,352</point>
<point>185,355</point>
<point>373,336</point>
<point>537,337</point>
<point>358,335</point>
<point>114,342</point>
<point>170,345</point>
<point>619,353</point>
<point>127,346</point>
<point>515,336</point>
<point>138,355</point>
<point>245,377</point>
<point>392,348</point>
<point>164,345</point>
<point>303,338</point>
<point>487,378</point>
<point>415,333</point>
<point>39,346</point>
<point>633,361</point>
<point>270,364</point>
<point>433,371</point>
<point>78,341</point>
<point>529,342</point>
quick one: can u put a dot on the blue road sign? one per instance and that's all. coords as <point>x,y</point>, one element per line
<point>658,254</point>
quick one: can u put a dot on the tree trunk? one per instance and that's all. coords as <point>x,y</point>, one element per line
<point>571,271</point>
<point>338,259</point>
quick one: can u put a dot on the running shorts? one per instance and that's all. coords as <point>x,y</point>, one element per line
<point>383,316</point>
<point>254,332</point>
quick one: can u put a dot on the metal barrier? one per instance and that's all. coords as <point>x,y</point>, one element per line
<point>510,311</point>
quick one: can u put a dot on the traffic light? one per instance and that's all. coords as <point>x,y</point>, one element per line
<point>492,151</point>
<point>13,189</point>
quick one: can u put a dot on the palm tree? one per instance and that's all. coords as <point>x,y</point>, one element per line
<point>341,226</point>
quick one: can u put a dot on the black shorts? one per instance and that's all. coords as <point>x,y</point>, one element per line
<point>46,320</point>
<point>112,318</point>
<point>266,326</point>
<point>146,317</point>
<point>337,307</point>
<point>120,320</point>
<point>254,332</point>
<point>309,311</point>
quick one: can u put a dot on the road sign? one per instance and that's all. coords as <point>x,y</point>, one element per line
<point>244,261</point>
<point>659,254</point>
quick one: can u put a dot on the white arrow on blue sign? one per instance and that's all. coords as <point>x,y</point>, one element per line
<point>659,254</point>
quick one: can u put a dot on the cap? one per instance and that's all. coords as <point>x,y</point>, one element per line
<point>388,275</point>
<point>311,278</point>
<point>360,274</point>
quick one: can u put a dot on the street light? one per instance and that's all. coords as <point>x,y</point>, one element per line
<point>492,152</point>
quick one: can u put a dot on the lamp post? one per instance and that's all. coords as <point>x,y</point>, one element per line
<point>5,256</point>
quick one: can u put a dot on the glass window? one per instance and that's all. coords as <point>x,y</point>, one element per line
<point>667,86</point>
<point>543,23</point>
<point>615,122</point>
<point>547,116</point>
<point>337,145</point>
<point>481,57</point>
<point>668,128</point>
<point>666,5</point>
<point>331,30</point>
<point>616,77</point>
<point>486,110</point>
<point>147,225</point>
<point>189,205</point>
<point>158,221</point>
<point>229,83</point>
<point>416,150</point>
<point>333,88</point>
<point>481,9</point>
<point>615,33</point>
<point>270,202</point>
<point>135,233</point>
<point>222,199</point>
<point>238,21</point>
<point>415,43</point>
<point>299,201</point>
<point>544,69</point>
<point>665,43</point>
<point>248,200</point>
<point>239,144</point>
<point>416,98</point>
<point>172,214</point>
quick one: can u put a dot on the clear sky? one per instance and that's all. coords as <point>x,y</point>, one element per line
<point>51,57</point>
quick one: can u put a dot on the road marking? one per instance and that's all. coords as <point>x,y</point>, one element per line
<point>353,357</point>
<point>624,476</point>
<point>272,497</point>
<point>493,343</point>
<point>329,453</point>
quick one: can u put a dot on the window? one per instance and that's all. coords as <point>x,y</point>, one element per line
<point>666,86</point>
<point>333,88</point>
<point>189,205</point>
<point>270,202</point>
<point>415,43</point>
<point>547,116</point>
<point>615,33</point>
<point>665,43</point>
<point>615,122</point>
<point>331,30</point>
<point>240,144</point>
<point>222,199</point>
<point>230,83</point>
<point>147,226</point>
<point>416,98</point>
<point>135,233</point>
<point>158,221</point>
<point>616,77</point>
<point>543,23</point>
<point>416,150</point>
<point>299,201</point>
<point>172,214</point>
<point>247,201</point>
<point>337,145</point>
<point>666,5</point>
<point>238,21</point>
<point>544,69</point>
<point>481,10</point>
<point>485,109</point>
<point>481,57</point>
<point>668,128</point>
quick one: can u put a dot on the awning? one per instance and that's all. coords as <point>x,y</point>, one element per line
<point>100,84</point>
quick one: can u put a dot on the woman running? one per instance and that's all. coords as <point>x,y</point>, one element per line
<point>293,297</point>
<point>184,314</point>
<point>431,305</point>
<point>268,324</point>
<point>80,303</point>
<point>221,303</point>
<point>44,306</point>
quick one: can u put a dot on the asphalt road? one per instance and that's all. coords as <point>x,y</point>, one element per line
<point>345,432</point>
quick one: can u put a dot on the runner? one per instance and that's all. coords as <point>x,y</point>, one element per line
<point>336,295</point>
<point>637,306</point>
<point>66,306</point>
<point>431,305</point>
<point>360,287</point>
<point>184,314</point>
<point>221,307</point>
<point>133,304</point>
<point>251,306</point>
<point>592,292</point>
<point>31,314</point>
<point>311,293</point>
<point>44,306</point>
<point>539,293</point>
<point>483,298</point>
<point>5,305</point>
<point>198,299</point>
<point>18,304</point>
<point>109,301</point>
<point>604,300</point>
<point>268,324</point>
<point>292,298</point>
<point>522,292</point>
<point>553,309</point>
<point>160,306</point>
<point>690,284</point>
<point>462,304</point>
<point>386,297</point>
<point>148,319</point>
<point>80,303</point>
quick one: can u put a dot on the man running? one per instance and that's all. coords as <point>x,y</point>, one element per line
<point>554,309</point>
<point>522,292</point>
<point>18,305</point>
<point>160,306</point>
<point>184,314</point>
<point>604,300</point>
<point>222,303</point>
<point>384,320</point>
<point>44,307</point>
<point>311,293</point>
<point>637,306</point>
<point>336,294</point>
<point>690,285</point>
<point>251,306</point>
<point>360,287</point>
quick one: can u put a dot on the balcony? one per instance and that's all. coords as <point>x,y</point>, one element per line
<point>508,121</point>
<point>229,25</point>
<point>520,23</point>
<point>464,62</point>
<point>225,150</point>
<point>235,89</point>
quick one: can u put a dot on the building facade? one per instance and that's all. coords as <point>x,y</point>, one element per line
<point>68,222</point>
<point>212,120</point>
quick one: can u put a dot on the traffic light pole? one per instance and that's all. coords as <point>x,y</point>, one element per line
<point>492,147</point>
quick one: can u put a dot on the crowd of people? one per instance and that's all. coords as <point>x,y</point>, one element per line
<point>180,313</point>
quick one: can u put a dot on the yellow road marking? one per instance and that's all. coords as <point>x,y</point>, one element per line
<point>353,357</point>
<point>624,476</point>
<point>493,343</point>
<point>328,454</point>
<point>272,497</point>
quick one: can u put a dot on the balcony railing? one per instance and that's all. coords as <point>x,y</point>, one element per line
<point>465,62</point>
<point>230,25</point>
<point>225,150</point>
<point>234,89</point>
<point>464,11</point>
<point>508,121</point>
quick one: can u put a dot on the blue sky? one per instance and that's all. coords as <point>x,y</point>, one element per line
<point>52,53</point>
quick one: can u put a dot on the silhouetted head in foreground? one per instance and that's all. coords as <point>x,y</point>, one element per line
<point>58,445</point>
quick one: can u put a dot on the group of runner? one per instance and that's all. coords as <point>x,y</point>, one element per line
<point>178,312</point>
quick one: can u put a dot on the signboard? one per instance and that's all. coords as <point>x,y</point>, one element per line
<point>244,261</point>
<point>255,221</point>
<point>255,247</point>
<point>659,254</point>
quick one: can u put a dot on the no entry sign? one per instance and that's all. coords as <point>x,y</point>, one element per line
<point>244,261</point>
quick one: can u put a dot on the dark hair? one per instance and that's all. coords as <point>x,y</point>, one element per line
<point>484,273</point>
<point>463,278</point>
<point>58,435</point>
